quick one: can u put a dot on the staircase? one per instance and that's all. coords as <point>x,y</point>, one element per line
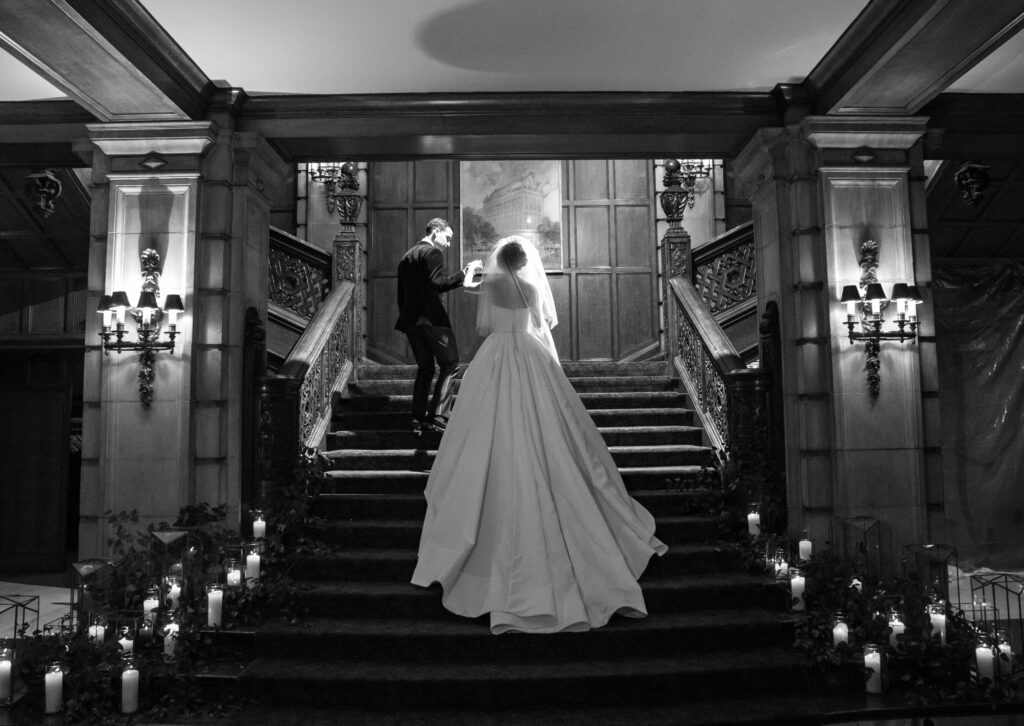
<point>379,650</point>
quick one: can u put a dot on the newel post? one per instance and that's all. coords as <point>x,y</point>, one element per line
<point>677,258</point>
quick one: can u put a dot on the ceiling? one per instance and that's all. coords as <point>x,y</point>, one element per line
<point>416,46</point>
<point>531,46</point>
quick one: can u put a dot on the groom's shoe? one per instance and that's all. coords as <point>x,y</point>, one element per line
<point>436,423</point>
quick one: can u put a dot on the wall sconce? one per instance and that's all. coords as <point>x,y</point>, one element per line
<point>680,180</point>
<point>147,315</point>
<point>865,315</point>
<point>342,182</point>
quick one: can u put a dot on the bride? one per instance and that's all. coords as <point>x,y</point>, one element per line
<point>527,516</point>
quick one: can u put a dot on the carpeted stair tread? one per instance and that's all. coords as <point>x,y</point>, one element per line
<point>590,399</point>
<point>399,420</point>
<point>405,438</point>
<point>572,369</point>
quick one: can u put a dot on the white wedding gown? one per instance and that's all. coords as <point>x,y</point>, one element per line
<point>527,516</point>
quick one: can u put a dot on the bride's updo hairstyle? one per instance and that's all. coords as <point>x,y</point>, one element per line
<point>512,255</point>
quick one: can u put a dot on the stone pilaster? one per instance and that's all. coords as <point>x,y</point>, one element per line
<point>848,454</point>
<point>198,193</point>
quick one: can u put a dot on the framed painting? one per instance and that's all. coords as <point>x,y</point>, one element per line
<point>511,197</point>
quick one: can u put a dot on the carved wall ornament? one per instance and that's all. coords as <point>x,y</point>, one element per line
<point>972,178</point>
<point>43,189</point>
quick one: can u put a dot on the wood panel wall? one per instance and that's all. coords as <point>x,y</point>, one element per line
<point>606,295</point>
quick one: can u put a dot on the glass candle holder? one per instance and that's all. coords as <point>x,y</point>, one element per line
<point>873,662</point>
<point>53,683</point>
<point>937,615</point>
<point>97,631</point>
<point>126,639</point>
<point>797,584</point>
<point>985,660</point>
<point>754,520</point>
<point>171,629</point>
<point>898,628</point>
<point>130,687</point>
<point>259,524</point>
<point>840,631</point>
<point>151,604</point>
<point>214,605</point>
<point>173,585</point>
<point>1004,652</point>
<point>805,547</point>
<point>6,676</point>
<point>234,574</point>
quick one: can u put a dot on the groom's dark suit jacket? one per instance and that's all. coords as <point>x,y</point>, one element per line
<point>422,278</point>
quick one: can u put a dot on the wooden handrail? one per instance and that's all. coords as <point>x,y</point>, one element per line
<point>299,277</point>
<point>724,242</point>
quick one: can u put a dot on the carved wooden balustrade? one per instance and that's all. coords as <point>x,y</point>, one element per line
<point>295,406</point>
<point>732,400</point>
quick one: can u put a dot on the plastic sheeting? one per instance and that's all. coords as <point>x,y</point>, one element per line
<point>979,320</point>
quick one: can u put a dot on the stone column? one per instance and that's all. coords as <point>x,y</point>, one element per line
<point>199,193</point>
<point>819,191</point>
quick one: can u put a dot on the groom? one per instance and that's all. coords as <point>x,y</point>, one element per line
<point>422,277</point>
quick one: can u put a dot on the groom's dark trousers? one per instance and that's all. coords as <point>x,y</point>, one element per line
<point>421,316</point>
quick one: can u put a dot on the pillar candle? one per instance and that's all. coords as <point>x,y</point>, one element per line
<point>6,678</point>
<point>840,633</point>
<point>898,628</point>
<point>170,636</point>
<point>234,577</point>
<point>754,524</point>
<point>796,588</point>
<point>130,690</point>
<point>985,660</point>
<point>259,528</point>
<point>873,660</point>
<point>149,605</point>
<point>805,549</point>
<point>252,566</point>
<point>53,682</point>
<point>97,633</point>
<point>939,625</point>
<point>215,604</point>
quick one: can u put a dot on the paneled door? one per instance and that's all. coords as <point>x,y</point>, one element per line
<point>606,294</point>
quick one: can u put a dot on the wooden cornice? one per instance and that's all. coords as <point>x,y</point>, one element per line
<point>900,54</point>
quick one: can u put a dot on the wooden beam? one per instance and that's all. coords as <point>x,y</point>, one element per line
<point>900,54</point>
<point>531,125</point>
<point>109,55</point>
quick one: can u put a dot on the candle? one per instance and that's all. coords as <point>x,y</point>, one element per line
<point>145,635</point>
<point>259,526</point>
<point>234,574</point>
<point>174,592</point>
<point>97,633</point>
<point>150,604</point>
<point>805,548</point>
<point>54,685</point>
<point>840,633</point>
<point>252,566</point>
<point>938,619</point>
<point>796,589</point>
<point>898,628</point>
<point>170,636</point>
<point>754,523</point>
<point>985,660</point>
<point>215,604</point>
<point>873,661</point>
<point>130,689</point>
<point>6,675</point>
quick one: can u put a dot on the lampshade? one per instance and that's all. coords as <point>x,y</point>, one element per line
<point>119,300</point>
<point>874,292</point>
<point>173,302</point>
<point>914,295</point>
<point>104,305</point>
<point>147,300</point>
<point>850,294</point>
<point>901,291</point>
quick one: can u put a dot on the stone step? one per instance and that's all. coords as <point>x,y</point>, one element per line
<point>573,369</point>
<point>405,505</point>
<point>423,459</point>
<point>591,400</point>
<point>612,435</point>
<point>392,534</point>
<point>463,640</point>
<point>345,418</point>
<point>691,592</point>
<point>498,685</point>
<point>397,565</point>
